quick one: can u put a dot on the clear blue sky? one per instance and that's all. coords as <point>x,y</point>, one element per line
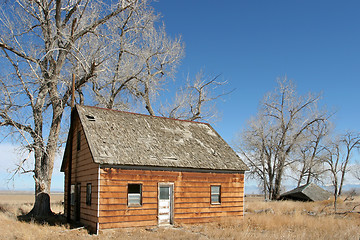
<point>251,43</point>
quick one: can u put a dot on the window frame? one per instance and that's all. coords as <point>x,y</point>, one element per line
<point>88,194</point>
<point>140,194</point>
<point>215,194</point>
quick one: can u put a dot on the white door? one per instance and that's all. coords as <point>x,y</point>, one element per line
<point>165,204</point>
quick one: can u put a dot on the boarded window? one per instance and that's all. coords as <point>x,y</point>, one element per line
<point>72,194</point>
<point>215,194</point>
<point>134,194</point>
<point>88,194</point>
<point>78,145</point>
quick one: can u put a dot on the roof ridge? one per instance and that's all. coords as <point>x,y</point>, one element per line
<point>142,114</point>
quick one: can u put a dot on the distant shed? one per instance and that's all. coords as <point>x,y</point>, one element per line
<point>307,192</point>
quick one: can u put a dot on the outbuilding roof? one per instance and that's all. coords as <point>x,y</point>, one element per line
<point>122,138</point>
<point>307,192</point>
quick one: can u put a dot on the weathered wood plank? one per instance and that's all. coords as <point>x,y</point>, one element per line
<point>87,165</point>
<point>203,184</point>
<point>139,178</point>
<point>207,204</point>
<point>114,182</point>
<point>128,212</point>
<point>111,219</point>
<point>115,207</point>
<point>203,199</point>
<point>204,210</point>
<point>139,172</point>
<point>128,224</point>
<point>207,214</point>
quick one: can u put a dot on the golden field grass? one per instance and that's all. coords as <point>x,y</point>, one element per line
<point>263,220</point>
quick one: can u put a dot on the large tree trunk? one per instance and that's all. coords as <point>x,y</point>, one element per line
<point>42,178</point>
<point>277,183</point>
<point>41,207</point>
<point>44,165</point>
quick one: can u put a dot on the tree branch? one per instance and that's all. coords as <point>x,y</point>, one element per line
<point>18,53</point>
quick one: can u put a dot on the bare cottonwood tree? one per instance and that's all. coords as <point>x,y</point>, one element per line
<point>257,146</point>
<point>339,153</point>
<point>145,58</point>
<point>309,155</point>
<point>196,99</point>
<point>270,139</point>
<point>42,43</point>
<point>350,142</point>
<point>356,171</point>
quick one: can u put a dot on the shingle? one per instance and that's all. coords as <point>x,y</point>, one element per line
<point>121,138</point>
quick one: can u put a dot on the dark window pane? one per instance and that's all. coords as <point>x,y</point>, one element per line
<point>134,188</point>
<point>164,193</point>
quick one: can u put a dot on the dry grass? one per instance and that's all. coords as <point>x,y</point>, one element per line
<point>18,203</point>
<point>263,220</point>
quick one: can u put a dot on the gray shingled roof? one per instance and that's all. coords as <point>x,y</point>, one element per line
<point>121,138</point>
<point>307,192</point>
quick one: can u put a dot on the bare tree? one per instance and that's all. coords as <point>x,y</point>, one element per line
<point>339,153</point>
<point>350,142</point>
<point>144,58</point>
<point>42,43</point>
<point>356,171</point>
<point>334,165</point>
<point>196,100</point>
<point>309,164</point>
<point>256,146</point>
<point>271,137</point>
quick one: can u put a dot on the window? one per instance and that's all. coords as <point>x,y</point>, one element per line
<point>134,194</point>
<point>78,145</point>
<point>88,194</point>
<point>215,194</point>
<point>72,194</point>
<point>164,193</point>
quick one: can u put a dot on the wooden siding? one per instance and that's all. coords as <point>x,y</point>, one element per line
<point>191,196</point>
<point>84,171</point>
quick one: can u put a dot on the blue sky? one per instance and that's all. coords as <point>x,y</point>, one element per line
<point>251,43</point>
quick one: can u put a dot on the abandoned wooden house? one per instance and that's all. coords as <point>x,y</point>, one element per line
<point>124,169</point>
